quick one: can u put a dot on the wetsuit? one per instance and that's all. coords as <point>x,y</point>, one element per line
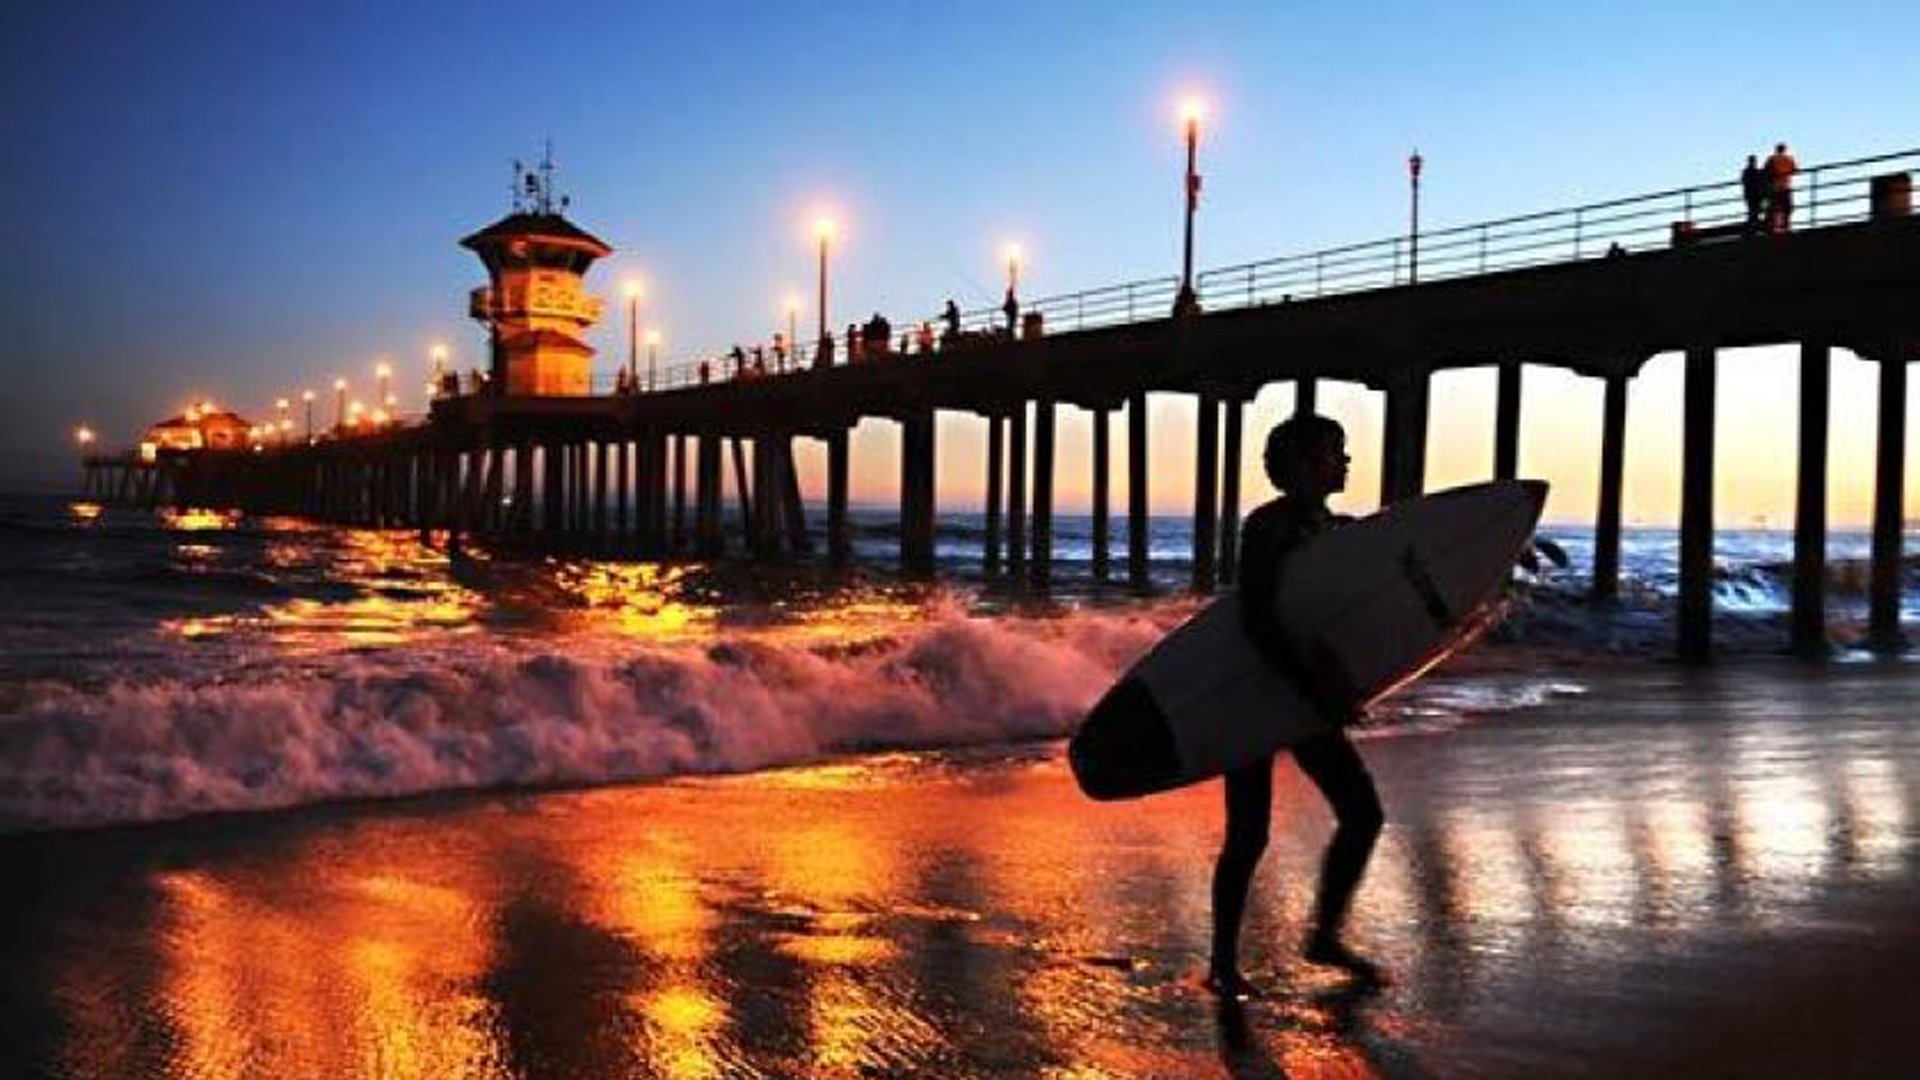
<point>1272,532</point>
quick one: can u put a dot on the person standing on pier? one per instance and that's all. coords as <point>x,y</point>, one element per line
<point>1306,460</point>
<point>1753,187</point>
<point>950,315</point>
<point>1780,171</point>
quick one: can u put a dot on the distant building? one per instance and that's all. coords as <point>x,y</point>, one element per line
<point>537,307</point>
<point>201,427</point>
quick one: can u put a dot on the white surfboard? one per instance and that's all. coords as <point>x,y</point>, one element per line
<point>1383,598</point>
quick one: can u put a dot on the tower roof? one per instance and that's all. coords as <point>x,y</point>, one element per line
<point>546,228</point>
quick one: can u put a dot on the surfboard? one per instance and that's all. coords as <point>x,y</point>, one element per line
<point>1383,598</point>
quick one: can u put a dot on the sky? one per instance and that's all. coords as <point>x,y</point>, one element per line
<point>236,201</point>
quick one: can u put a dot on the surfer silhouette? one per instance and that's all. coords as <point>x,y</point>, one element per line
<point>1307,461</point>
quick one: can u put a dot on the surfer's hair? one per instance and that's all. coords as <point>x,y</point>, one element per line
<point>1292,439</point>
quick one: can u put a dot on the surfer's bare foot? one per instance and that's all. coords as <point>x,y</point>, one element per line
<point>1230,985</point>
<point>1326,948</point>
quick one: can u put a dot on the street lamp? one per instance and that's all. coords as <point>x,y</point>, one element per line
<point>1012,304</point>
<point>339,403</point>
<point>793,324</point>
<point>1192,111</point>
<point>635,290</point>
<point>825,229</point>
<point>1414,164</point>
<point>383,374</point>
<point>653,355</point>
<point>306,396</point>
<point>281,405</point>
<point>83,436</point>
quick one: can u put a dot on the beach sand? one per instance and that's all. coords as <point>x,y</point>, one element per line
<point>1655,873</point>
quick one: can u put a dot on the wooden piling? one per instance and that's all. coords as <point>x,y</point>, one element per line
<point>709,539</point>
<point>996,470</point>
<point>1102,468</point>
<point>1696,508</point>
<point>1306,396</point>
<point>1230,492</point>
<point>1506,424</point>
<point>1017,489</point>
<point>1889,480</point>
<point>1206,492</point>
<point>1040,568</point>
<point>839,537</point>
<point>1810,502</point>
<point>1138,523</point>
<point>1606,524</point>
<point>1403,451</point>
<point>679,538</point>
<point>917,492</point>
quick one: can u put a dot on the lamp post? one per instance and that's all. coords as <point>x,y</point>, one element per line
<point>306,397</point>
<point>1012,304</point>
<point>1191,112</point>
<point>383,375</point>
<point>824,230</point>
<point>339,403</point>
<point>1414,163</point>
<point>793,329</point>
<point>635,289</point>
<point>653,356</point>
<point>83,437</point>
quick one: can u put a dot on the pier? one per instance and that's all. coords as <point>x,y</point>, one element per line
<point>1596,289</point>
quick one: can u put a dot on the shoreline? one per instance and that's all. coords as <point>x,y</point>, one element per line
<point>1622,880</point>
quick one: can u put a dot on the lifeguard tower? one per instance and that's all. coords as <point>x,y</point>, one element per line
<point>537,307</point>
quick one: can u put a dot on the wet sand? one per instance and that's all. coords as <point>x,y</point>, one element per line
<point>1670,874</point>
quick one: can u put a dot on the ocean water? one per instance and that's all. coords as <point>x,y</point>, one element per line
<point>159,665</point>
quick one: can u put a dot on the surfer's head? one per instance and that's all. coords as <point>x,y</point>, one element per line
<point>1307,456</point>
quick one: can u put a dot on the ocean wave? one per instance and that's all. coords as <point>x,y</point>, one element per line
<point>400,724</point>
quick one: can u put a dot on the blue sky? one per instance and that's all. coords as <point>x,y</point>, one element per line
<point>237,200</point>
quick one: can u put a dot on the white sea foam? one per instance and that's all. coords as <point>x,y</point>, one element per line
<point>400,722</point>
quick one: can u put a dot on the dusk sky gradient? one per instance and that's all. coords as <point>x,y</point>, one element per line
<point>239,200</point>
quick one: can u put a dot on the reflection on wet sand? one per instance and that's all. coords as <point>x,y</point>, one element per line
<point>932,915</point>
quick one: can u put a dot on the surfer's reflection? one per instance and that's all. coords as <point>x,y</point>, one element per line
<point>1306,460</point>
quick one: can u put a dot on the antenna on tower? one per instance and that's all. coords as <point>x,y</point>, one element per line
<point>546,178</point>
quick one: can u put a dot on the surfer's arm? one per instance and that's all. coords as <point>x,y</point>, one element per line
<point>1266,550</point>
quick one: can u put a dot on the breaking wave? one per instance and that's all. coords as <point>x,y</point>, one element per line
<point>382,725</point>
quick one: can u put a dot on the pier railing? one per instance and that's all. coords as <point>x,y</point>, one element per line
<point>1827,194</point>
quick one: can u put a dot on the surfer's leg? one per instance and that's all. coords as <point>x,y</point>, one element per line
<point>1249,808</point>
<point>1335,768</point>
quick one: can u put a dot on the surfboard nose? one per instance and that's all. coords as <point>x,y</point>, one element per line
<point>1537,492</point>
